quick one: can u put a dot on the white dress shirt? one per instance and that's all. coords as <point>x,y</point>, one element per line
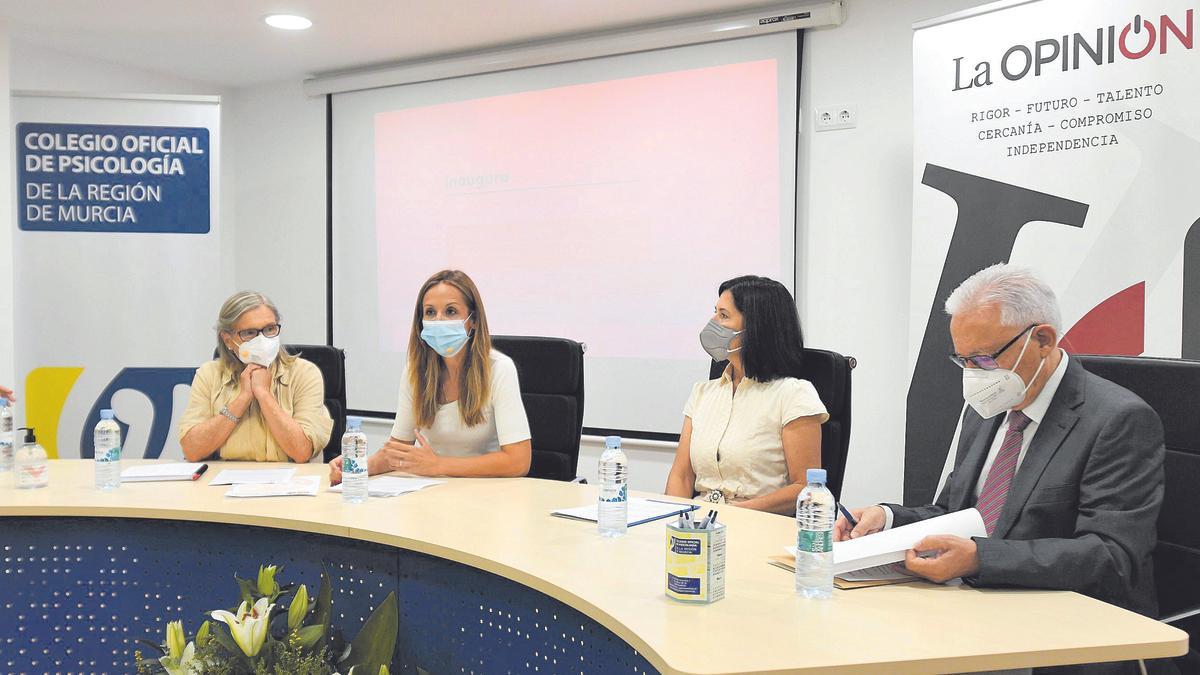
<point>1035,411</point>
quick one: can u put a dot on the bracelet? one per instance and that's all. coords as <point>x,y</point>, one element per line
<point>230,416</point>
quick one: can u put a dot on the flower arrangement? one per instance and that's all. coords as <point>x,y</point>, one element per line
<point>263,637</point>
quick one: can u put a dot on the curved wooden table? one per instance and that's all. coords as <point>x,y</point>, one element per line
<point>503,527</point>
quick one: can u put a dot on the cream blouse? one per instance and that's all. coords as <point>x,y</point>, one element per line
<point>737,439</point>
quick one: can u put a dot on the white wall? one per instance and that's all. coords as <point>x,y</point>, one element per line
<point>856,215</point>
<point>276,135</point>
<point>7,282</point>
<point>36,68</point>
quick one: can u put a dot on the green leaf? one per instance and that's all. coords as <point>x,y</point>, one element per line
<point>158,648</point>
<point>249,589</point>
<point>310,635</point>
<point>375,643</point>
<point>324,604</point>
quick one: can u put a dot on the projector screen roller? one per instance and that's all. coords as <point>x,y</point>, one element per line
<point>602,201</point>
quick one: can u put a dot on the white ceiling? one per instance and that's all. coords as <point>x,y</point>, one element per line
<point>225,42</point>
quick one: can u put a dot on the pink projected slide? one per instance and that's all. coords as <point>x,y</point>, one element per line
<point>606,212</point>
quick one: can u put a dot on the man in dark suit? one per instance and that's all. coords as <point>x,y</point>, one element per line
<point>1066,468</point>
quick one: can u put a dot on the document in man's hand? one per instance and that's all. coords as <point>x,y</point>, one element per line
<point>889,546</point>
<point>875,556</point>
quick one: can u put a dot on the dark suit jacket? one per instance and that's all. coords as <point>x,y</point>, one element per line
<point>1082,508</point>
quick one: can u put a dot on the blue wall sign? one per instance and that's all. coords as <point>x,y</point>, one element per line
<point>112,178</point>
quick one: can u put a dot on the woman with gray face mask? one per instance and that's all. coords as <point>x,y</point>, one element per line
<point>750,436</point>
<point>255,401</point>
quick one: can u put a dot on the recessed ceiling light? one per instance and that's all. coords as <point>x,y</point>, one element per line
<point>287,21</point>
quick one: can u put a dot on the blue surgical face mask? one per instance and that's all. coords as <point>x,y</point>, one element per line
<point>445,337</point>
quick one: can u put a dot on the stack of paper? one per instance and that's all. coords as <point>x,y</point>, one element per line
<point>390,486</point>
<point>640,511</point>
<point>304,486</point>
<point>160,471</point>
<point>253,476</point>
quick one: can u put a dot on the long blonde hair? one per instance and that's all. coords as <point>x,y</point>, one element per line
<point>234,307</point>
<point>426,366</point>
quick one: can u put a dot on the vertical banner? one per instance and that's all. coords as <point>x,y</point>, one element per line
<point>1063,135</point>
<point>118,267</point>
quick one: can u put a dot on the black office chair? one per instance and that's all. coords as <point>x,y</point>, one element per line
<point>331,361</point>
<point>829,373</point>
<point>551,375</point>
<point>1172,388</point>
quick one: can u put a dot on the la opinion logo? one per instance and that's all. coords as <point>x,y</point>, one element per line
<point>1135,40</point>
<point>48,388</point>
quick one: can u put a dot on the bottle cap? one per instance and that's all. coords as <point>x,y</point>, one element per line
<point>612,441</point>
<point>106,414</point>
<point>30,437</point>
<point>353,423</point>
<point>816,475</point>
<point>3,402</point>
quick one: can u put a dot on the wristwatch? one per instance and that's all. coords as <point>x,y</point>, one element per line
<point>230,416</point>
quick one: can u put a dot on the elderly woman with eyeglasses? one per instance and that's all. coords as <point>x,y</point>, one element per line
<point>255,401</point>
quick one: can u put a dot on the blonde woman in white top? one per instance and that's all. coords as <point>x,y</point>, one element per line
<point>750,436</point>
<point>459,411</point>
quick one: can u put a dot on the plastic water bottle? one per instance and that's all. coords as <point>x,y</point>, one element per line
<point>354,462</point>
<point>613,507</point>
<point>816,511</point>
<point>6,428</point>
<point>29,460</point>
<point>108,452</point>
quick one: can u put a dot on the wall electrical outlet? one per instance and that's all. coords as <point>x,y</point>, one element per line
<point>830,117</point>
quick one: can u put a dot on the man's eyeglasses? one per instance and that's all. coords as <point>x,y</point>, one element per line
<point>267,331</point>
<point>987,361</point>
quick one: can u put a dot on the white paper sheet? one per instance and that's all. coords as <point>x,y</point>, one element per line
<point>391,486</point>
<point>160,471</point>
<point>253,476</point>
<point>304,486</point>
<point>640,511</point>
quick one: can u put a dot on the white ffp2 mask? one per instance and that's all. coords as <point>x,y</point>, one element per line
<point>261,350</point>
<point>991,392</point>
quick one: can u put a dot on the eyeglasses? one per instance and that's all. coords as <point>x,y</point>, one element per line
<point>987,361</point>
<point>270,331</point>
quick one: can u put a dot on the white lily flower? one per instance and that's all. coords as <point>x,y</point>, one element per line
<point>185,665</point>
<point>248,626</point>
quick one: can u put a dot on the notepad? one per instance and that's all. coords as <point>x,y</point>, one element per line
<point>160,471</point>
<point>304,486</point>
<point>253,476</point>
<point>640,511</point>
<point>391,486</point>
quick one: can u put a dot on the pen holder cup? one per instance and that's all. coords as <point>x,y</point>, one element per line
<point>695,569</point>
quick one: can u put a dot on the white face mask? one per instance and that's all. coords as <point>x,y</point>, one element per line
<point>261,350</point>
<point>991,392</point>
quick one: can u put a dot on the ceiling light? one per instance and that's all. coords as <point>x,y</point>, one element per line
<point>287,21</point>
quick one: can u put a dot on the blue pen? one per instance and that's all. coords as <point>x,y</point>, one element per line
<point>849,518</point>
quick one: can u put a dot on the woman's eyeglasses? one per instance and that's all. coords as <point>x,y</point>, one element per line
<point>267,331</point>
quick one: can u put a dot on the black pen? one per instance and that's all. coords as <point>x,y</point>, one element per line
<point>849,518</point>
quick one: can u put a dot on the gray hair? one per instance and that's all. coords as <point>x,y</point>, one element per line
<point>1021,295</point>
<point>233,308</point>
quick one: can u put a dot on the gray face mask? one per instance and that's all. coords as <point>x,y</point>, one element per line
<point>715,339</point>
